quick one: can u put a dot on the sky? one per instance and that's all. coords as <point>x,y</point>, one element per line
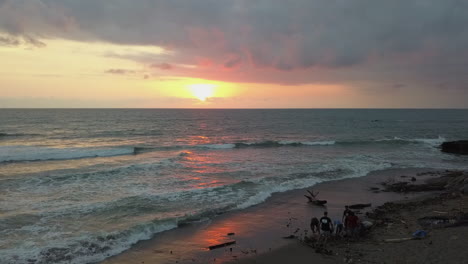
<point>233,54</point>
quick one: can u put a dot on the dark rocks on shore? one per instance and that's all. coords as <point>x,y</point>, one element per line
<point>452,181</point>
<point>403,187</point>
<point>456,147</point>
<point>359,206</point>
<point>443,221</point>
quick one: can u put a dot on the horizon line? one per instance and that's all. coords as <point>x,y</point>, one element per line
<point>246,108</point>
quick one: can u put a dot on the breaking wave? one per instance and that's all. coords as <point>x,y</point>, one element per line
<point>36,153</point>
<point>274,144</point>
<point>14,135</point>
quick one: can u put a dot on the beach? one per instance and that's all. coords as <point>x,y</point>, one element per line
<point>260,231</point>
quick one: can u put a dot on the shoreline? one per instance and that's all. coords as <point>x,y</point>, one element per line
<point>259,230</point>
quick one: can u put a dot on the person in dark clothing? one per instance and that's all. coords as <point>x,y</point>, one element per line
<point>345,214</point>
<point>352,225</point>
<point>315,225</point>
<point>326,226</point>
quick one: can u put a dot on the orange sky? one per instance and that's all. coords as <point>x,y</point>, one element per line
<point>76,74</point>
<point>81,75</point>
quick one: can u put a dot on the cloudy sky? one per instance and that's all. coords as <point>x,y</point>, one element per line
<point>234,53</point>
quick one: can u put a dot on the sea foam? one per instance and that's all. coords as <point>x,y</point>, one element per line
<point>36,153</point>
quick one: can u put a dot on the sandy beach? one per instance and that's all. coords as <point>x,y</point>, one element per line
<point>259,231</point>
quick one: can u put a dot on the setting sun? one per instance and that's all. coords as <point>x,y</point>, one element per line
<point>202,91</point>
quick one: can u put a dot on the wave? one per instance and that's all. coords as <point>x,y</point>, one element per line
<point>310,143</point>
<point>88,248</point>
<point>266,144</point>
<point>429,141</point>
<point>274,144</point>
<point>13,135</point>
<point>36,153</point>
<point>217,146</point>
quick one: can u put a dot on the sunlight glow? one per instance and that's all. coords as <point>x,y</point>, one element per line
<point>202,91</point>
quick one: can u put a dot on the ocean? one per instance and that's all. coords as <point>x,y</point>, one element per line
<point>81,185</point>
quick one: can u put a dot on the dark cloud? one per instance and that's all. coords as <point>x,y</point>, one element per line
<point>233,62</point>
<point>25,40</point>
<point>121,71</point>
<point>161,66</point>
<point>9,41</point>
<point>33,41</point>
<point>245,35</point>
<point>36,18</point>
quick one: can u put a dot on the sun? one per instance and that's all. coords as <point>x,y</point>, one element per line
<point>202,91</point>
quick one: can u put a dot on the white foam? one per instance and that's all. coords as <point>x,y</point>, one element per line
<point>434,142</point>
<point>78,253</point>
<point>268,190</point>
<point>319,143</point>
<point>35,153</point>
<point>218,146</point>
<point>308,143</point>
<point>390,139</point>
<point>431,141</point>
<point>354,166</point>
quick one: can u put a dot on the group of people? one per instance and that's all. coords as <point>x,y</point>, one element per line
<point>348,226</point>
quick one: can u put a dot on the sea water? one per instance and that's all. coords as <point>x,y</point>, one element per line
<point>78,186</point>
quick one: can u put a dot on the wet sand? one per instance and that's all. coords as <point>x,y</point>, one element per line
<point>259,230</point>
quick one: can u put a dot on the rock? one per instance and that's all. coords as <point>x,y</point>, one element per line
<point>431,185</point>
<point>359,206</point>
<point>367,224</point>
<point>455,147</point>
<point>438,222</point>
<point>464,189</point>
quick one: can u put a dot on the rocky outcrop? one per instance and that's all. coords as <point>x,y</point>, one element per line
<point>450,181</point>
<point>456,147</point>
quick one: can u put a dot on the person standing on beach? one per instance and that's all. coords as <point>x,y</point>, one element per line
<point>338,228</point>
<point>352,225</point>
<point>326,226</point>
<point>315,225</point>
<point>345,214</point>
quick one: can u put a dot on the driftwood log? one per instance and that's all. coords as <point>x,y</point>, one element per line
<point>312,197</point>
<point>222,245</point>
